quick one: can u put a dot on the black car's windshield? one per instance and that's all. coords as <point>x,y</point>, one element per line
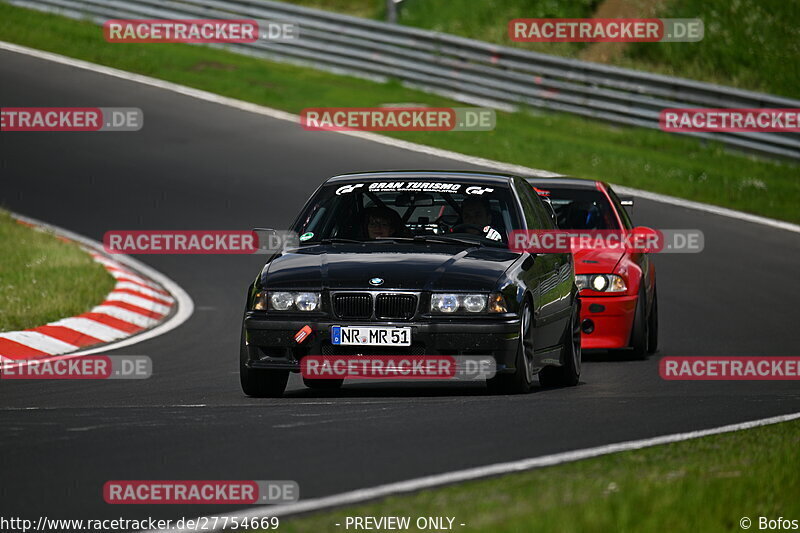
<point>411,211</point>
<point>580,209</point>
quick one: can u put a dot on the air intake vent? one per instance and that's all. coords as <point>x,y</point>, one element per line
<point>352,305</point>
<point>397,306</point>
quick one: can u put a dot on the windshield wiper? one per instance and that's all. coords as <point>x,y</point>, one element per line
<point>336,240</point>
<point>438,239</point>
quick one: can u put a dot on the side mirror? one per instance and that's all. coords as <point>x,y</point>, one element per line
<point>627,203</point>
<point>645,240</point>
<point>528,263</point>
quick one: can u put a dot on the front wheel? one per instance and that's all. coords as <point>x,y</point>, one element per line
<point>260,383</point>
<point>520,381</point>
<point>641,325</point>
<point>652,325</point>
<point>569,373</point>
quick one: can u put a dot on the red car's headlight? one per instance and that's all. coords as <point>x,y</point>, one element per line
<point>601,282</point>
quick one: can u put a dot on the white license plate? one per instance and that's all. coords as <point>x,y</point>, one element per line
<point>370,336</point>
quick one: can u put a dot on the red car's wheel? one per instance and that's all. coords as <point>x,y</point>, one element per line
<point>639,333</point>
<point>652,325</point>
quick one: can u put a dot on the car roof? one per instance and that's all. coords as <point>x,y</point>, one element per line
<point>453,175</point>
<point>565,182</point>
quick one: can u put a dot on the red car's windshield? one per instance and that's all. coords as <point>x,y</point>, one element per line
<point>582,209</point>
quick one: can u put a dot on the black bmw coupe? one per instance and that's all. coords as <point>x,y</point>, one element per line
<point>415,263</point>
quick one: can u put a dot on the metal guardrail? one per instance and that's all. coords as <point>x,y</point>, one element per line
<point>463,69</point>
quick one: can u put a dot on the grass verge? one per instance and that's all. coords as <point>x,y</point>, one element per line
<point>747,44</point>
<point>44,279</point>
<point>706,484</point>
<point>642,158</point>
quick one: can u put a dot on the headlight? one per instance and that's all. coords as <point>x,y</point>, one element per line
<point>467,303</point>
<point>601,282</point>
<point>474,303</point>
<point>598,283</point>
<point>306,301</point>
<point>281,301</point>
<point>445,303</point>
<point>287,301</point>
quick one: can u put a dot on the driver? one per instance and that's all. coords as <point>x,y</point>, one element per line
<point>476,216</point>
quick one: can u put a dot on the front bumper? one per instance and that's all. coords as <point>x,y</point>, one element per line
<point>269,341</point>
<point>612,318</point>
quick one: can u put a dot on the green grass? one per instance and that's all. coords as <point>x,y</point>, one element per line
<point>646,159</point>
<point>43,279</point>
<point>750,44</point>
<point>486,20</point>
<point>704,485</point>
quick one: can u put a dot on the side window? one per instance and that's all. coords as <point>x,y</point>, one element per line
<point>536,213</point>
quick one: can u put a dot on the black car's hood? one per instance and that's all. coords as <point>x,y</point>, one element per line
<point>409,267</point>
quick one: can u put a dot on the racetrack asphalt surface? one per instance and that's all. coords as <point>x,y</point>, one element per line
<point>200,165</point>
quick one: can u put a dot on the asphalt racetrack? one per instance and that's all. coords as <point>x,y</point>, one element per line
<point>199,165</point>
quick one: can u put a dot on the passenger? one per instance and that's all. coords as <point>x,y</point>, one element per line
<point>383,222</point>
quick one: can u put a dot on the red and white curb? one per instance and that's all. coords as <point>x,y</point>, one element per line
<point>143,304</point>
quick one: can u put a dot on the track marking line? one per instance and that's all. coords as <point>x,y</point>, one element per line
<point>374,137</point>
<point>459,476</point>
<point>82,407</point>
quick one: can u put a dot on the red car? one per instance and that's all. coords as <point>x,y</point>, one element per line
<point>619,308</point>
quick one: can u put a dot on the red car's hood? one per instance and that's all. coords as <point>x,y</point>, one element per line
<point>597,261</point>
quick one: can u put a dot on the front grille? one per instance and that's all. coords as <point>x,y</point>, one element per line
<point>352,305</point>
<point>399,306</point>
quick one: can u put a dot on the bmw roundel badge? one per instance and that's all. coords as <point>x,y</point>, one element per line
<point>376,281</point>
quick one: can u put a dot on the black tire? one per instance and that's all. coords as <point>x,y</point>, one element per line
<point>639,332</point>
<point>521,380</point>
<point>323,384</point>
<point>652,325</point>
<point>569,373</point>
<point>260,383</point>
